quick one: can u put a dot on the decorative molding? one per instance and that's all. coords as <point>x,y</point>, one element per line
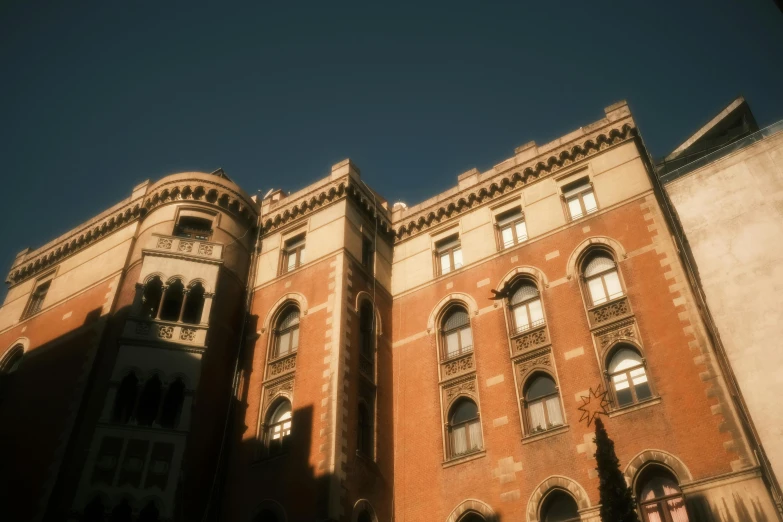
<point>537,359</point>
<point>624,330</point>
<point>516,177</point>
<point>281,366</point>
<point>455,367</point>
<point>460,387</point>
<point>550,484</point>
<point>609,312</point>
<point>529,340</point>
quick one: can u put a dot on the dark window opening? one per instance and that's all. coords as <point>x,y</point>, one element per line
<point>266,515</point>
<point>107,461</point>
<point>194,228</point>
<point>150,301</point>
<point>559,506</point>
<point>123,512</point>
<point>160,465</point>
<point>194,305</point>
<point>37,299</point>
<point>364,516</point>
<point>95,510</point>
<point>125,399</point>
<point>368,253</point>
<point>149,513</point>
<point>133,463</point>
<point>172,404</point>
<point>366,330</point>
<point>364,436</point>
<point>149,401</point>
<point>172,301</point>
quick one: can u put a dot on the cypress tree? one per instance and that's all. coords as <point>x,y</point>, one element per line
<point>616,502</point>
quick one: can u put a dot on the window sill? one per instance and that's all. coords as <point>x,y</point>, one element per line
<point>652,401</point>
<point>454,461</point>
<point>525,332</point>
<point>545,434</point>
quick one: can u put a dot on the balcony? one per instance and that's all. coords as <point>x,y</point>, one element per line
<point>457,366</point>
<point>155,329</point>
<point>185,246</point>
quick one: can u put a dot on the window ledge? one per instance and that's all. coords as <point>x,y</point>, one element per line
<point>652,401</point>
<point>464,458</point>
<point>545,434</point>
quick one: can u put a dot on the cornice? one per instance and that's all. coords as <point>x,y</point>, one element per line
<point>515,177</point>
<point>322,196</point>
<point>177,189</point>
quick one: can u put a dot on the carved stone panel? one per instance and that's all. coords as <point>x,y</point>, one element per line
<point>188,334</point>
<point>537,359</point>
<point>530,340</point>
<point>281,366</point>
<point>463,386</point>
<point>459,366</point>
<point>609,312</point>
<point>281,387</point>
<point>625,330</point>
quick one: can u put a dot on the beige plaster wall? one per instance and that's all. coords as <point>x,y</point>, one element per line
<point>617,174</point>
<point>732,213</point>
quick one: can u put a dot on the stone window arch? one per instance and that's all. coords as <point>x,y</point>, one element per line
<point>626,375</point>
<point>542,406</point>
<point>456,333</point>
<point>550,484</point>
<point>464,428</point>
<point>525,307</point>
<point>600,277</point>
<point>278,427</point>
<point>472,507</point>
<point>363,512</point>
<point>285,338</point>
<point>173,299</point>
<point>659,495</point>
<point>559,506</point>
<point>152,296</point>
<point>193,307</point>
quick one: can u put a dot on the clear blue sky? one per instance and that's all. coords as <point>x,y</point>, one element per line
<point>96,98</point>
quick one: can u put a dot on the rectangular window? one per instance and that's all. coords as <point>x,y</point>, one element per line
<point>106,463</point>
<point>37,298</point>
<point>293,253</point>
<point>512,228</point>
<point>579,198</point>
<point>194,228</point>
<point>449,254</point>
<point>368,253</point>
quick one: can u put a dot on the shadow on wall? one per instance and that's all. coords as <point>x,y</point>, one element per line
<point>746,510</point>
<point>38,403</point>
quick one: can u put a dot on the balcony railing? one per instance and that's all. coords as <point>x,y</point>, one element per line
<point>530,338</point>
<point>185,246</point>
<point>151,329</point>
<point>609,312</point>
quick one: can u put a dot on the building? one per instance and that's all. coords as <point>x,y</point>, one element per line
<point>726,198</point>
<point>323,355</point>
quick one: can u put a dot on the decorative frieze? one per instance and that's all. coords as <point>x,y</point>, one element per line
<point>530,340</point>
<point>185,246</point>
<point>455,367</point>
<point>205,250</point>
<point>612,311</point>
<point>537,359</point>
<point>164,243</point>
<point>188,334</point>
<point>282,366</point>
<point>465,386</point>
<point>165,332</point>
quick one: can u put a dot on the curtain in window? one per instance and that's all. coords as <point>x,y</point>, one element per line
<point>452,344</point>
<point>466,336</point>
<point>475,435</point>
<point>537,417</point>
<point>554,411</point>
<point>459,440</point>
<point>677,510</point>
<point>651,513</point>
<point>520,318</point>
<point>600,263</point>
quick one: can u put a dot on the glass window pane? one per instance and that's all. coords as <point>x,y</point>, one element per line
<point>540,386</point>
<point>457,258</point>
<point>520,318</point>
<point>283,343</point>
<point>589,201</point>
<point>445,264</point>
<point>466,335</point>
<point>536,312</point>
<point>596,291</point>
<point>508,237</point>
<point>521,231</point>
<point>302,255</point>
<point>464,411</point>
<point>452,344</point>
<point>537,419</point>
<point>575,208</point>
<point>554,411</point>
<point>624,359</point>
<point>294,339</point>
<point>291,261</point>
<point>524,292</point>
<point>613,286</point>
<point>598,264</point>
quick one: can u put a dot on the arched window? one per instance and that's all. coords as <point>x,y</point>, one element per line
<point>457,336</point>
<point>149,401</point>
<point>149,513</point>
<point>628,377</point>
<point>194,305</point>
<point>364,516</point>
<point>279,428</point>
<point>266,515</point>
<point>95,510</point>
<point>525,305</point>
<point>464,428</point>
<point>125,399</point>
<point>172,301</point>
<point>150,301</point>
<point>542,404</point>
<point>367,330</point>
<point>122,512</point>
<point>559,506</point>
<point>660,497</point>
<point>172,404</point>
<point>287,332</point>
<point>601,278</point>
<point>8,366</point>
<point>364,442</point>
<point>471,517</point>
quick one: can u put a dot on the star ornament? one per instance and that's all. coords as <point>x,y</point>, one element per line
<point>593,405</point>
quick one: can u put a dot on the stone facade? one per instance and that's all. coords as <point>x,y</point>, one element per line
<point>351,360</point>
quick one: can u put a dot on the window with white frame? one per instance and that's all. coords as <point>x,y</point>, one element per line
<point>278,428</point>
<point>37,298</point>
<point>464,428</point>
<point>525,305</point>
<point>542,404</point>
<point>456,334</point>
<point>511,227</point>
<point>448,253</point>
<point>579,198</point>
<point>601,278</point>
<point>286,332</point>
<point>628,377</point>
<point>293,253</point>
